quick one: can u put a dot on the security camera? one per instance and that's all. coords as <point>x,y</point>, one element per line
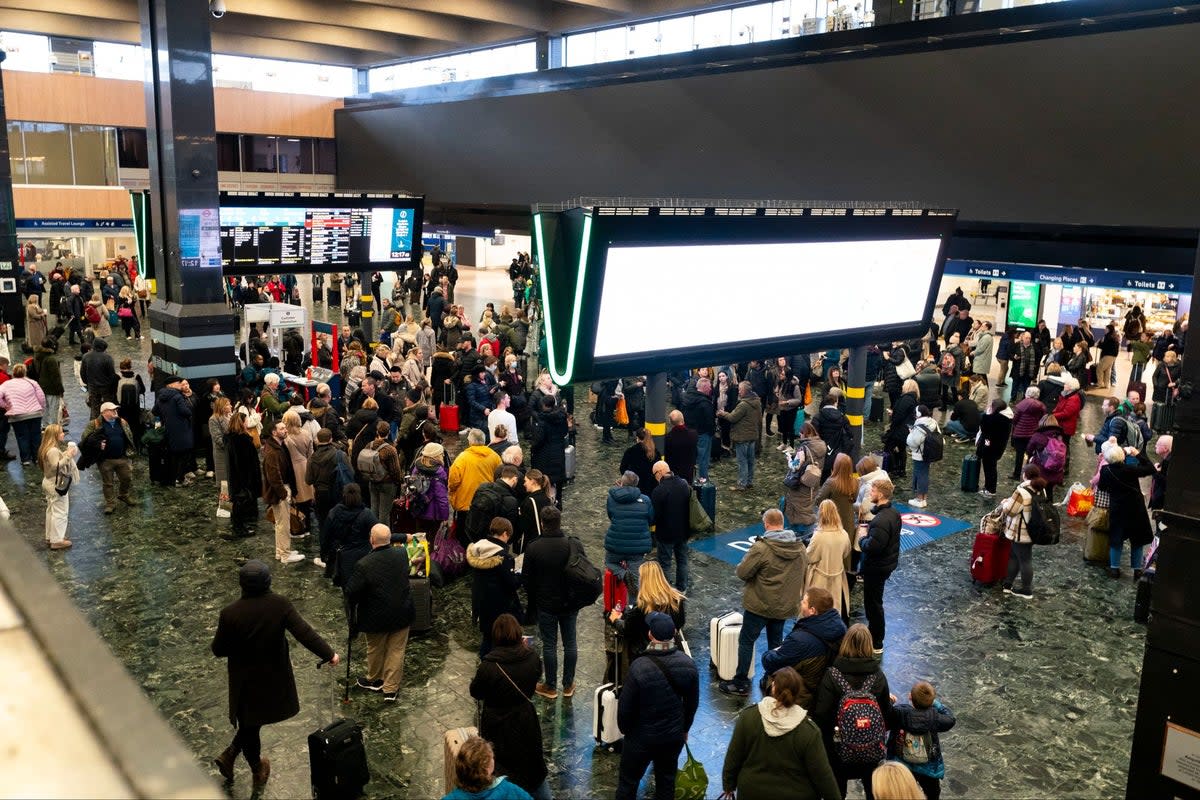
<point>216,8</point>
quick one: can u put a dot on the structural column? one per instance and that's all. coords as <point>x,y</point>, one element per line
<point>191,326</point>
<point>656,407</point>
<point>11,307</point>
<point>366,305</point>
<point>856,381</point>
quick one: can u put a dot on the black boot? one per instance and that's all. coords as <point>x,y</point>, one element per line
<point>225,763</point>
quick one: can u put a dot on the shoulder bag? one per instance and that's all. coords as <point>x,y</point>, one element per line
<point>62,476</point>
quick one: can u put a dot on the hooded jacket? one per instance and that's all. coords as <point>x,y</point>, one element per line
<point>494,583</point>
<point>773,570</point>
<point>630,514</point>
<point>1037,443</point>
<point>811,645</point>
<point>492,499</point>
<point>981,354</point>
<point>834,429</point>
<point>474,466</point>
<point>777,752</point>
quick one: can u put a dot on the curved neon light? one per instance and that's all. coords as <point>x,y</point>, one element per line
<point>562,377</point>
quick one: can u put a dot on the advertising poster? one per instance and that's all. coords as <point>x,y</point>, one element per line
<point>1070,305</point>
<point>1023,300</point>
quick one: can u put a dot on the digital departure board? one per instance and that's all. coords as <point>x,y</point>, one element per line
<point>290,233</point>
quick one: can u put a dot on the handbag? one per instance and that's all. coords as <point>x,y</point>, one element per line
<point>124,312</point>
<point>992,522</point>
<point>905,370</point>
<point>1097,518</point>
<point>621,412</point>
<point>698,519</point>
<point>691,782</point>
<point>1101,499</point>
<point>62,478</point>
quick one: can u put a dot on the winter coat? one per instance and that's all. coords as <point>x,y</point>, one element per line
<point>22,399</point>
<point>1026,416</point>
<point>856,671</point>
<point>994,430</point>
<point>494,583</point>
<point>635,460</point>
<point>321,472</point>
<point>798,503</point>
<point>929,385</point>
<point>916,437</point>
<point>345,538</point>
<point>1050,389</point>
<point>35,325</point>
<point>542,572</point>
<point>743,420</point>
<point>679,450</point>
<point>437,499</point>
<point>548,444</point>
<point>49,373</point>
<point>967,414</point>
<point>479,403</point>
<point>933,720</point>
<point>245,474</point>
<point>1127,517</point>
<point>892,384</point>
<point>844,503</point>
<point>773,570</point>
<point>277,472</point>
<point>672,499</point>
<point>176,414</point>
<point>216,433</point>
<point>377,592</point>
<point>777,754</point>
<point>699,412</point>
<point>635,632</point>
<point>1016,514</point>
<point>981,353</point>
<point>1037,443</point>
<point>1164,375</point>
<point>250,633</point>
<point>808,649</point>
<point>504,684</point>
<point>649,710</point>
<point>834,429</point>
<point>904,414</point>
<point>881,546</point>
<point>299,447</point>
<point>630,514</point>
<point>474,466</point>
<point>1067,412</point>
<point>828,565</point>
<point>492,499</point>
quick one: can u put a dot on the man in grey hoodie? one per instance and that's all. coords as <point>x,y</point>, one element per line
<point>773,570</point>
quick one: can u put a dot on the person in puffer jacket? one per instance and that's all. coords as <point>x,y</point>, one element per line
<point>494,584</point>
<point>810,646</point>
<point>627,540</point>
<point>915,741</point>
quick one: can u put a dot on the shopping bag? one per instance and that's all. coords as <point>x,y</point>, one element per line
<point>1097,519</point>
<point>691,782</point>
<point>1080,501</point>
<point>621,412</point>
<point>224,503</point>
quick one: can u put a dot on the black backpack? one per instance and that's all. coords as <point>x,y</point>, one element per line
<point>934,446</point>
<point>582,580</point>
<point>1044,525</point>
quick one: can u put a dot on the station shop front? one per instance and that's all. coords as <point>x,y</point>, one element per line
<point>92,245</point>
<point>1019,295</point>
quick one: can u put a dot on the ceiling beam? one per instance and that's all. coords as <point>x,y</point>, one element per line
<point>254,47</point>
<point>358,16</point>
<point>100,10</point>
<point>392,45</point>
<point>532,15</point>
<point>617,8</point>
<point>78,27</point>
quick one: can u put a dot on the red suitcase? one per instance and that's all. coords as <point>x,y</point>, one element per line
<point>448,418</point>
<point>615,592</point>
<point>989,558</point>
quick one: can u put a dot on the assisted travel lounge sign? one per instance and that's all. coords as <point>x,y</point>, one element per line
<point>1070,276</point>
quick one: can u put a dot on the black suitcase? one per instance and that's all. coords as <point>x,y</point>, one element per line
<point>707,494</point>
<point>877,409</point>
<point>158,459</point>
<point>1139,387</point>
<point>1141,601</point>
<point>1162,417</point>
<point>969,480</point>
<point>337,761</point>
<point>422,597</point>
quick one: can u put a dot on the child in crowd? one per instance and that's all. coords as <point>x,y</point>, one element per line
<point>916,743</point>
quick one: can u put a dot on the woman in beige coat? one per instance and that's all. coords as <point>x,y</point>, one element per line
<point>300,445</point>
<point>35,323</point>
<point>798,500</point>
<point>829,557</point>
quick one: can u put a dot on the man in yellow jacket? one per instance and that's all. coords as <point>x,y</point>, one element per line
<point>474,466</point>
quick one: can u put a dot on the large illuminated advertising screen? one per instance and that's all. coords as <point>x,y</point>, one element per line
<point>318,234</point>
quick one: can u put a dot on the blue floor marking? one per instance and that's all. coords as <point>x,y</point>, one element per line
<point>921,527</point>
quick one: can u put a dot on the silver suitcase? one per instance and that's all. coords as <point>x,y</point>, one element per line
<point>569,461</point>
<point>723,633</point>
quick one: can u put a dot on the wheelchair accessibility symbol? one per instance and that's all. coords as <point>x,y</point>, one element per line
<point>920,520</point>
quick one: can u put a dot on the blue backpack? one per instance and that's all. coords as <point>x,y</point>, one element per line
<point>343,476</point>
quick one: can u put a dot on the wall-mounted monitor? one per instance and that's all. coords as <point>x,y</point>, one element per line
<point>634,292</point>
<point>264,233</point>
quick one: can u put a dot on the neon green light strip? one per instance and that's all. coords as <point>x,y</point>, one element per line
<point>139,224</point>
<point>562,377</point>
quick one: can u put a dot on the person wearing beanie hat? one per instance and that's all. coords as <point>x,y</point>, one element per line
<point>657,705</point>
<point>262,687</point>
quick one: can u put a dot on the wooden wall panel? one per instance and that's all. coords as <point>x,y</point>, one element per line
<point>46,97</point>
<point>71,202</point>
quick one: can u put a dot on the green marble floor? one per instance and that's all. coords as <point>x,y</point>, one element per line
<point>1044,690</point>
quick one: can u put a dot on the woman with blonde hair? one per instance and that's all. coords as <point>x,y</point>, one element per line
<point>842,488</point>
<point>829,557</point>
<point>891,780</point>
<point>58,467</point>
<point>299,445</point>
<point>655,593</point>
<point>35,322</point>
<point>218,426</point>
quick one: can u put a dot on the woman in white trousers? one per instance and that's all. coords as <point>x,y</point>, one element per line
<point>53,459</point>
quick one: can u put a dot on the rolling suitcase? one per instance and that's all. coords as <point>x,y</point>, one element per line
<point>616,592</point>
<point>569,462</point>
<point>989,558</point>
<point>401,520</point>
<point>605,729</point>
<point>707,494</point>
<point>422,597</point>
<point>448,414</point>
<point>1141,601</point>
<point>1139,387</point>
<point>1162,417</point>
<point>723,632</point>
<point>158,460</point>
<point>451,743</point>
<point>337,761</point>
<point>969,479</point>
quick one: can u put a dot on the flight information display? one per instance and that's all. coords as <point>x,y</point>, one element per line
<point>333,237</point>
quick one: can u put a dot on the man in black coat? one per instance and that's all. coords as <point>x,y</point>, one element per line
<point>99,374</point>
<point>381,607</point>
<point>700,414</point>
<point>173,408</point>
<point>545,559</point>
<point>262,688</point>
<point>880,545</point>
<point>679,447</point>
<point>672,506</point>
<point>657,705</point>
<point>495,499</point>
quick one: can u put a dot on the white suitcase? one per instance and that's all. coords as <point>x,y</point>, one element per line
<point>723,632</point>
<point>569,462</point>
<point>604,718</point>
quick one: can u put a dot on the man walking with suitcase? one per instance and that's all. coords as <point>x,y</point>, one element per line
<point>381,607</point>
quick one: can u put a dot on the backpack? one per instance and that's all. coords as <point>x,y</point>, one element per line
<point>370,467</point>
<point>914,748</point>
<point>64,307</point>
<point>859,733</point>
<point>92,314</point>
<point>416,491</point>
<point>343,476</point>
<point>31,370</point>
<point>1044,525</point>
<point>1053,457</point>
<point>1133,433</point>
<point>934,446</point>
<point>127,395</point>
<point>948,365</point>
<point>582,580</point>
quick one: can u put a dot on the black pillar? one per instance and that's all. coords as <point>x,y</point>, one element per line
<point>366,305</point>
<point>10,304</point>
<point>856,381</point>
<point>1168,704</point>
<point>191,326</point>
<point>656,408</point>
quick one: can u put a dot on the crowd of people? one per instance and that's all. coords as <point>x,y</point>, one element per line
<point>363,463</point>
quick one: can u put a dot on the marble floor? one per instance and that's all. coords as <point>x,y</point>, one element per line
<point>1045,690</point>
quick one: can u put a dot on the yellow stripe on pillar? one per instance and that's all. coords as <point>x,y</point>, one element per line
<point>657,428</point>
<point>856,420</point>
<point>856,391</point>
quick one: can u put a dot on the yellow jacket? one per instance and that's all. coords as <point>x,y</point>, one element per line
<point>474,466</point>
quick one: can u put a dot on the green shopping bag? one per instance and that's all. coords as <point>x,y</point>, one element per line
<point>691,782</point>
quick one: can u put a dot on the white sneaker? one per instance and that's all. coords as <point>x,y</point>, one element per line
<point>319,562</point>
<point>291,558</point>
<point>916,502</point>
<point>208,474</point>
